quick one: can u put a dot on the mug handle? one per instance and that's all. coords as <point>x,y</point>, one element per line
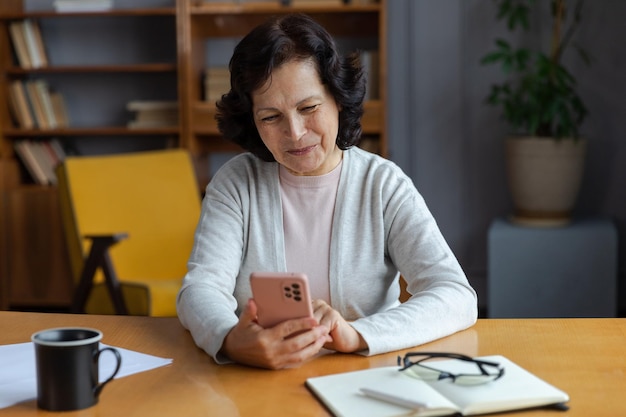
<point>118,357</point>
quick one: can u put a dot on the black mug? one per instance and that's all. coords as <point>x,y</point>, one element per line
<point>67,368</point>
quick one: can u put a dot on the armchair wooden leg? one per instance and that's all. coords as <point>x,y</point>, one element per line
<point>99,257</point>
<point>113,285</point>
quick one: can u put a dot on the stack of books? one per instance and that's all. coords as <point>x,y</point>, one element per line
<point>216,83</point>
<point>70,6</point>
<point>35,105</point>
<point>314,2</point>
<point>153,113</point>
<point>28,44</point>
<point>41,158</point>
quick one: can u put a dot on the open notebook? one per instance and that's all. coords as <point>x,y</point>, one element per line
<point>516,389</point>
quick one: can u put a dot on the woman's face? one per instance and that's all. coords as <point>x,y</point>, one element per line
<point>298,119</point>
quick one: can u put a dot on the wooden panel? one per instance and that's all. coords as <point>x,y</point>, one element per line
<point>19,13</point>
<point>372,118</point>
<point>10,6</point>
<point>4,283</point>
<point>38,272</point>
<point>10,173</point>
<point>9,177</point>
<point>203,119</point>
<point>234,21</point>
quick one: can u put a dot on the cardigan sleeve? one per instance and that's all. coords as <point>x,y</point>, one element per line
<point>238,232</point>
<point>442,301</point>
<point>206,304</point>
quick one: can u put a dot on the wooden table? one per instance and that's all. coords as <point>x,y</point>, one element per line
<point>584,357</point>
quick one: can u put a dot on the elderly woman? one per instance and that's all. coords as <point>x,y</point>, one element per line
<point>306,199</point>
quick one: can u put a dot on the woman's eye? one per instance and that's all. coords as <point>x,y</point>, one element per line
<point>269,118</point>
<point>310,108</point>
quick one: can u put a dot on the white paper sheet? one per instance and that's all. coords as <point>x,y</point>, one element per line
<point>18,378</point>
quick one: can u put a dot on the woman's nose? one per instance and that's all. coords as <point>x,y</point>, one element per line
<point>295,127</point>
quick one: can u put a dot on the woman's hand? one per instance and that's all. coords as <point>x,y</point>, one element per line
<point>344,337</point>
<point>276,347</point>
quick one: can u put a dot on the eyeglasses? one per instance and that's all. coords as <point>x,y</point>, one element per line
<point>489,371</point>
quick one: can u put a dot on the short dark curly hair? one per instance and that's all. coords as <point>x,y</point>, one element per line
<point>268,46</point>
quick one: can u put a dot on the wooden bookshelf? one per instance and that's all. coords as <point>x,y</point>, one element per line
<point>195,26</point>
<point>34,271</point>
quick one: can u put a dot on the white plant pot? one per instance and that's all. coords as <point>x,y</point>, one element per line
<point>544,177</point>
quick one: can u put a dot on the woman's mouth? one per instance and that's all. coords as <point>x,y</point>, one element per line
<point>301,151</point>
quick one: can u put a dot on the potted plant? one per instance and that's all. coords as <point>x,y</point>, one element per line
<point>538,98</point>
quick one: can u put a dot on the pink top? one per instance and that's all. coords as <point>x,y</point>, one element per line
<point>308,207</point>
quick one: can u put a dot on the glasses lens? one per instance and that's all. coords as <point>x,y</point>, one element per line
<point>474,379</point>
<point>420,372</point>
<point>462,374</point>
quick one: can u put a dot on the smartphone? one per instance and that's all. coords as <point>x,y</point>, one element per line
<point>280,296</point>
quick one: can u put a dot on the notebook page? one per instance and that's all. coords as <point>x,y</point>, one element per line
<point>516,389</point>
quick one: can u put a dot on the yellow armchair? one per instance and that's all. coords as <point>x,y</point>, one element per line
<point>129,223</point>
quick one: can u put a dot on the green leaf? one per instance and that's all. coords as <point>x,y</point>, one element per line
<point>538,95</point>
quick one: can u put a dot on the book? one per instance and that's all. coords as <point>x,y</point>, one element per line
<point>34,42</point>
<point>20,106</point>
<point>153,114</point>
<point>216,83</point>
<point>48,106</point>
<point>157,115</point>
<point>69,6</point>
<point>150,124</point>
<point>44,160</point>
<point>58,149</point>
<point>41,158</point>
<point>314,2</point>
<point>137,105</point>
<point>18,39</point>
<point>52,155</point>
<point>26,154</point>
<point>517,389</point>
<point>43,94</point>
<point>60,109</point>
<point>36,104</point>
<point>14,108</point>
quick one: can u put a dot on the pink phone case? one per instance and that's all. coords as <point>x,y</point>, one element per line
<point>280,296</point>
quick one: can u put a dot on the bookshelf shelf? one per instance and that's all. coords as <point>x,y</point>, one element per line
<point>92,131</point>
<point>86,69</point>
<point>272,7</point>
<point>229,21</point>
<point>157,11</point>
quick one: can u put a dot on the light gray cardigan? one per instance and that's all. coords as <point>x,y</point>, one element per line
<point>381,226</point>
